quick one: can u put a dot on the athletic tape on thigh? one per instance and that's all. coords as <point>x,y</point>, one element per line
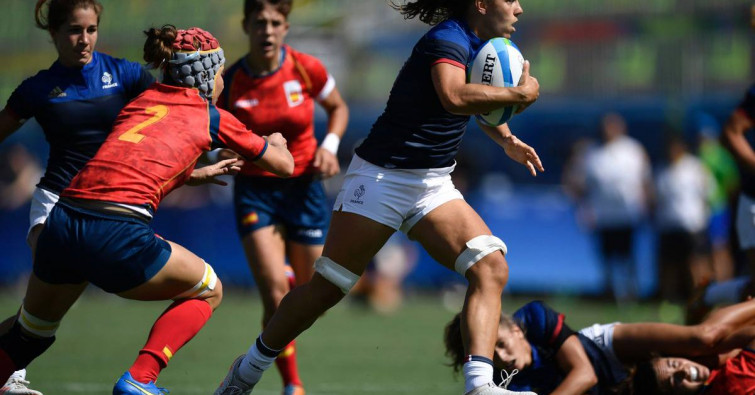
<point>478,248</point>
<point>336,274</point>
<point>209,279</point>
<point>37,326</point>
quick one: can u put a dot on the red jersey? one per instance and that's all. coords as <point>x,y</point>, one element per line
<point>282,102</point>
<point>737,377</point>
<point>154,145</point>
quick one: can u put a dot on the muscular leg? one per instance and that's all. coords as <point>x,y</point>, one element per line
<point>45,302</point>
<point>302,258</point>
<point>444,233</point>
<point>351,249</point>
<point>181,321</point>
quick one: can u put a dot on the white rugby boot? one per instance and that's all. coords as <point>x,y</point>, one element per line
<point>233,384</point>
<point>17,385</point>
<point>492,389</point>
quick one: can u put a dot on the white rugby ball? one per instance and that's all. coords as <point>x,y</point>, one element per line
<point>498,63</point>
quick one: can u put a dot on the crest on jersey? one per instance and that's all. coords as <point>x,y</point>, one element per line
<point>107,80</point>
<point>294,94</point>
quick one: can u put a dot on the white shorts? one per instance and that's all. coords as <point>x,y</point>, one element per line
<point>42,202</point>
<point>602,336</point>
<point>398,198</point>
<point>746,222</point>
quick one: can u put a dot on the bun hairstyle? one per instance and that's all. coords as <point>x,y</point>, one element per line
<point>158,48</point>
<point>191,58</point>
<point>50,15</point>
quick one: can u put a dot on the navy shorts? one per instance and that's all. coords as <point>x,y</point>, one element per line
<point>298,204</point>
<point>114,252</point>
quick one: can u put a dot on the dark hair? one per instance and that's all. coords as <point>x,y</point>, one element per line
<point>282,6</point>
<point>432,12</point>
<point>158,48</point>
<point>58,11</point>
<point>454,343</point>
<point>645,379</point>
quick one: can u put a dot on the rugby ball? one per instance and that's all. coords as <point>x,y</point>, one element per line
<point>498,63</point>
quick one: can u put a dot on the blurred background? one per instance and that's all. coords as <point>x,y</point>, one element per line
<point>667,67</point>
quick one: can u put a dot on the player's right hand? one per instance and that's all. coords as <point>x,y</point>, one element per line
<point>276,139</point>
<point>529,87</point>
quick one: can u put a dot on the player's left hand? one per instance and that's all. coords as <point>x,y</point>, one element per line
<point>326,163</point>
<point>207,174</point>
<point>522,153</point>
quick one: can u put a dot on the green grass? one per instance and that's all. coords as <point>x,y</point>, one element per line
<point>350,350</point>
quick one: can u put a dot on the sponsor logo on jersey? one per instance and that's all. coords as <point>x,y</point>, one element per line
<point>246,103</point>
<point>107,79</point>
<point>250,219</point>
<point>294,94</point>
<point>358,193</point>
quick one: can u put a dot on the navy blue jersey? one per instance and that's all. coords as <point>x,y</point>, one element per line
<point>546,331</point>
<point>747,177</point>
<point>76,108</point>
<point>415,131</point>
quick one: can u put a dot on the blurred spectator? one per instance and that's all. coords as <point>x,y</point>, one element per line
<point>612,183</point>
<point>682,189</point>
<point>19,174</point>
<point>725,188</point>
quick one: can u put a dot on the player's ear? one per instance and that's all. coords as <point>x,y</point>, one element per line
<point>244,25</point>
<point>481,6</point>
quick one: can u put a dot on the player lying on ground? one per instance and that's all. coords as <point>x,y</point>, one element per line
<point>543,354</point>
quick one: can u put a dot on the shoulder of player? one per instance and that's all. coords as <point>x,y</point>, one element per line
<point>449,30</point>
<point>308,61</point>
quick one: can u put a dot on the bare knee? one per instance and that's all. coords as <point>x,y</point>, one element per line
<point>215,296</point>
<point>491,271</point>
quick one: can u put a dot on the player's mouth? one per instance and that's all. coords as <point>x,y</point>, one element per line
<point>698,375</point>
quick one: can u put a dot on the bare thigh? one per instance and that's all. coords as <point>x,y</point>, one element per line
<point>353,240</point>
<point>50,302</point>
<point>181,273</point>
<point>445,231</point>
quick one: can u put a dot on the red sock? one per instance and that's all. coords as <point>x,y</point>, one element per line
<point>174,328</point>
<point>286,363</point>
<point>7,367</point>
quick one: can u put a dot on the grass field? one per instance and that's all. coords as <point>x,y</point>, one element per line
<point>351,350</point>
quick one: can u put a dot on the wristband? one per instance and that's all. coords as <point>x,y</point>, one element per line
<point>330,143</point>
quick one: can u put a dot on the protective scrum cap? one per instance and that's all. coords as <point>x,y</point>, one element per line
<point>196,68</point>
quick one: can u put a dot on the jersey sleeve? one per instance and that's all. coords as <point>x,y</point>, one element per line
<point>542,325</point>
<point>138,79</point>
<point>21,104</point>
<point>747,106</point>
<point>228,132</point>
<point>322,83</point>
<point>446,46</point>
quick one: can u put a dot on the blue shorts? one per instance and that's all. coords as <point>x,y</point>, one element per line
<point>298,204</point>
<point>114,252</point>
<point>719,226</point>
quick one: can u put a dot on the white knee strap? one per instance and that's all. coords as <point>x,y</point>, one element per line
<point>207,283</point>
<point>37,326</point>
<point>478,248</point>
<point>336,274</point>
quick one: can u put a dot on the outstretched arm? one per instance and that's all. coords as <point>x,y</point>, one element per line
<point>577,368</point>
<point>514,148</point>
